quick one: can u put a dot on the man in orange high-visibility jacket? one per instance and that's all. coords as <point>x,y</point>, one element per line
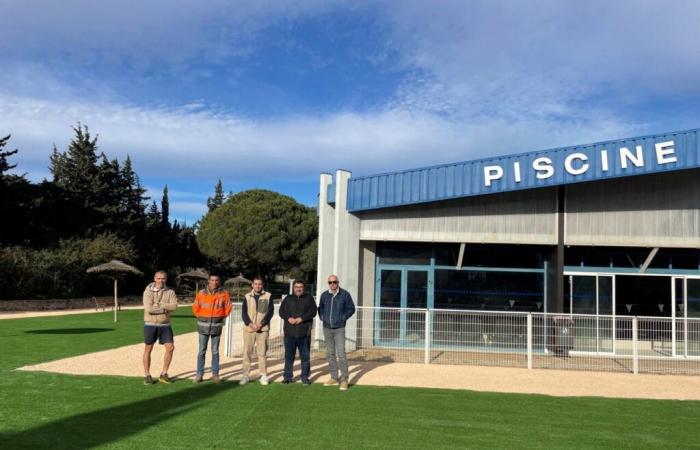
<point>211,307</point>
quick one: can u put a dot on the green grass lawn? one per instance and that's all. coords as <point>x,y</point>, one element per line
<point>51,411</point>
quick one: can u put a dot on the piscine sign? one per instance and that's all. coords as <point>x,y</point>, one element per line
<point>578,163</point>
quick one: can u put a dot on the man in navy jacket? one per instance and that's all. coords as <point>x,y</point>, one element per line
<point>335,308</point>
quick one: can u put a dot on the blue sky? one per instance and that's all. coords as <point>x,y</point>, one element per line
<point>269,93</point>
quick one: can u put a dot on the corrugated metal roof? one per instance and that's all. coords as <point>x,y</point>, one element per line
<point>602,160</point>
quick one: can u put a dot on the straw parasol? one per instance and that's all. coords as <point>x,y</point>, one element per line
<point>114,269</point>
<point>196,275</point>
<point>236,282</point>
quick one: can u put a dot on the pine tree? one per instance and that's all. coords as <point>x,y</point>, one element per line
<point>165,209</point>
<point>153,215</point>
<point>4,165</point>
<point>77,169</point>
<point>218,199</point>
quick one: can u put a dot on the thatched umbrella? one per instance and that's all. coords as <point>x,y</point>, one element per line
<point>237,281</point>
<point>114,269</point>
<point>196,275</point>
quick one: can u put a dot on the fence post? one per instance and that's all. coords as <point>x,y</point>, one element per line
<point>635,347</point>
<point>426,358</point>
<point>529,341</point>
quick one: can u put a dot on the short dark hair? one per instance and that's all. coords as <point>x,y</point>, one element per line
<point>299,282</point>
<point>214,275</point>
<point>258,278</point>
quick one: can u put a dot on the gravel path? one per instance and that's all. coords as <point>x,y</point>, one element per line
<point>126,361</point>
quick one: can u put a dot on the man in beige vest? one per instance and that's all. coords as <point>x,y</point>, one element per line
<point>158,302</point>
<point>258,310</point>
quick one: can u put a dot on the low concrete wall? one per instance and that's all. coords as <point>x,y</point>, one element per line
<point>62,304</point>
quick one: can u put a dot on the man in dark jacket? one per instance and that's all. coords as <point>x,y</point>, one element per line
<point>297,311</point>
<point>334,309</point>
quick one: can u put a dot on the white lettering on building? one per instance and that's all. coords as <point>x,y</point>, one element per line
<point>569,163</point>
<point>626,155</point>
<point>492,173</point>
<point>544,168</point>
<point>604,160</point>
<point>665,152</point>
<point>579,163</point>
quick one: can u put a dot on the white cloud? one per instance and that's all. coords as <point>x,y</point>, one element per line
<point>190,143</point>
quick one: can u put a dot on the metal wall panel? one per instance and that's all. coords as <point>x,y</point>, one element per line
<point>466,179</point>
<point>526,217</point>
<point>661,210</point>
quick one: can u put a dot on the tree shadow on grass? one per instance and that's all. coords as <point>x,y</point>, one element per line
<point>70,331</point>
<point>112,424</point>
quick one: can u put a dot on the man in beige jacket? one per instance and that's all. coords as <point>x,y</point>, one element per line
<point>158,302</point>
<point>258,310</point>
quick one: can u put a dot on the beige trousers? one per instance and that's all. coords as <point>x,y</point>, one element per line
<point>257,341</point>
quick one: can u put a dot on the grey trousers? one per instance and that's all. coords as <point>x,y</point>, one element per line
<point>335,347</point>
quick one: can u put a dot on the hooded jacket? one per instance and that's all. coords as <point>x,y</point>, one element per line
<point>211,309</point>
<point>158,304</point>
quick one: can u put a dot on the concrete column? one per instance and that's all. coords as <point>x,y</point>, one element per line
<point>326,233</point>
<point>346,239</point>
<point>339,241</point>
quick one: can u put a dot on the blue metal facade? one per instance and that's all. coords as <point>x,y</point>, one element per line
<point>603,160</point>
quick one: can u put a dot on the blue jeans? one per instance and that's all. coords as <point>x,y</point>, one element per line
<point>203,341</point>
<point>291,344</point>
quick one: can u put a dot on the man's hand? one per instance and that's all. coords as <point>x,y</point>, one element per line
<point>254,326</point>
<point>292,321</point>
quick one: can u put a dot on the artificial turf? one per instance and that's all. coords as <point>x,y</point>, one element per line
<point>52,411</point>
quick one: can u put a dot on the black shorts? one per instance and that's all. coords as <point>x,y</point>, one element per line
<point>152,333</point>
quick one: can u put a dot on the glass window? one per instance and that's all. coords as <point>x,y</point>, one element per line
<point>500,291</point>
<point>404,253</point>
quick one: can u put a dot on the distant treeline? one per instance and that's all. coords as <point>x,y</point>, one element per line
<point>94,209</point>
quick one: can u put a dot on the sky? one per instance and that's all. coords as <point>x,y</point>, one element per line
<point>269,94</point>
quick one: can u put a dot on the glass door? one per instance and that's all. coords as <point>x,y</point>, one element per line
<point>416,298</point>
<point>685,304</point>
<point>403,295</point>
<point>592,296</point>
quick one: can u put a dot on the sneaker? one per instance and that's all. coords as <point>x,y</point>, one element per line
<point>198,379</point>
<point>331,382</point>
<point>286,381</point>
<point>165,379</point>
<point>215,378</point>
<point>244,380</point>
<point>147,380</point>
<point>306,382</point>
<point>344,385</point>
<point>263,380</point>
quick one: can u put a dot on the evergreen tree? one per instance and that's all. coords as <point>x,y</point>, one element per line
<point>76,170</point>
<point>165,209</point>
<point>153,217</point>
<point>4,164</point>
<point>218,199</point>
<point>134,199</point>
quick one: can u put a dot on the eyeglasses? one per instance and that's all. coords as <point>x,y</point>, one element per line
<point>333,282</point>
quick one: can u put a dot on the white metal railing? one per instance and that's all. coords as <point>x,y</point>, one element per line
<point>661,345</point>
